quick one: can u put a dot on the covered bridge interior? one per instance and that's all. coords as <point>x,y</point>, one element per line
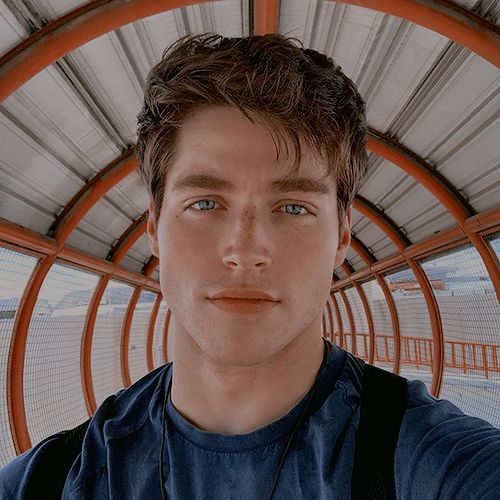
<point>81,312</point>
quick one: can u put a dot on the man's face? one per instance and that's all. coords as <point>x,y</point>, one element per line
<point>251,236</point>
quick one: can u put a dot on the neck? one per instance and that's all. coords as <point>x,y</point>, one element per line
<point>227,399</point>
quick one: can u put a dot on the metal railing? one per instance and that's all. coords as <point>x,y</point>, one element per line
<point>467,357</point>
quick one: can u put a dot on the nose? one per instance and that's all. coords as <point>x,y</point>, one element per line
<point>246,248</point>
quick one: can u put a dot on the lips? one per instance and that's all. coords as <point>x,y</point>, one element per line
<point>239,293</point>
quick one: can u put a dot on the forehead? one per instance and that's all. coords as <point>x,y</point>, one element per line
<point>218,144</point>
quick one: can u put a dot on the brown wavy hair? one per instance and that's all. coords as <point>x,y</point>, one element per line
<point>300,95</point>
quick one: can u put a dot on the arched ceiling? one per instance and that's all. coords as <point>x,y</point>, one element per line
<point>72,76</point>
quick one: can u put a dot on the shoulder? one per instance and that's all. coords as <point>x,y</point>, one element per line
<point>444,453</point>
<point>119,413</point>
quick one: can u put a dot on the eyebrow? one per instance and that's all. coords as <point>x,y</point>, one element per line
<point>282,185</point>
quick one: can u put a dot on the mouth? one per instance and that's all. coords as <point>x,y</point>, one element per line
<point>248,306</point>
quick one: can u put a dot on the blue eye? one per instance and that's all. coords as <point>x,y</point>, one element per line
<point>207,209</point>
<point>202,201</point>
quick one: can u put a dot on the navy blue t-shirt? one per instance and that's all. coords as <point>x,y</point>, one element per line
<point>441,453</point>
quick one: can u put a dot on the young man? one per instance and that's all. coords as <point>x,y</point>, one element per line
<point>252,150</point>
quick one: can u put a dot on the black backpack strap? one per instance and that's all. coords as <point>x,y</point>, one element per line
<point>383,405</point>
<point>47,480</point>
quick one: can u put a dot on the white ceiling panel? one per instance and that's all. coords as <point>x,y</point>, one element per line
<point>87,239</point>
<point>106,68</point>
<point>105,224</point>
<point>162,30</point>
<point>24,210</point>
<point>402,57</point>
<point>345,33</point>
<point>21,109</point>
<point>11,31</point>
<point>57,8</point>
<point>452,98</point>
<point>381,179</point>
<point>30,171</point>
<point>64,111</point>
<point>140,250</point>
<point>132,264</point>
<point>293,15</point>
<point>130,195</point>
<point>355,260</point>
<point>371,235</point>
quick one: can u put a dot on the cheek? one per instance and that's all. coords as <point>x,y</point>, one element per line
<point>184,246</point>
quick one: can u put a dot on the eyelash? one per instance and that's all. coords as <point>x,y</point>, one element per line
<point>293,215</point>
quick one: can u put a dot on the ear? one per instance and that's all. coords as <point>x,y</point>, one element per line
<point>151,230</point>
<point>345,240</point>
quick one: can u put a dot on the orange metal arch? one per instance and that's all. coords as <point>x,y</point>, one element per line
<point>90,194</point>
<point>165,336</point>
<point>267,13</point>
<point>339,318</point>
<point>439,187</point>
<point>447,18</point>
<point>149,267</point>
<point>392,231</point>
<point>352,324</point>
<point>17,350</point>
<point>151,332</point>
<point>121,247</point>
<point>330,321</point>
<point>368,313</point>
<point>367,258</point>
<point>88,22</point>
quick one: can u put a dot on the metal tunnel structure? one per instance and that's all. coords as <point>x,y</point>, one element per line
<point>81,312</point>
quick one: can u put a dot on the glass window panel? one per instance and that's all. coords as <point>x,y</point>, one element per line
<point>414,325</point>
<point>358,311</point>
<point>137,355</point>
<point>159,332</point>
<point>52,382</point>
<point>106,368</point>
<point>15,271</point>
<point>470,316</point>
<point>494,241</point>
<point>384,341</point>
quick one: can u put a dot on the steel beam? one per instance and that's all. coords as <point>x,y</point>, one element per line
<point>352,324</point>
<point>151,332</point>
<point>368,259</point>
<point>400,240</point>
<point>94,19</point>
<point>148,269</point>
<point>267,14</point>
<point>368,313</point>
<point>78,207</point>
<point>339,319</point>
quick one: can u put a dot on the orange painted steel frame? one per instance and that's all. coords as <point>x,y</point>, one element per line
<point>77,208</point>
<point>119,250</point>
<point>366,306</point>
<point>97,18</point>
<point>401,241</point>
<point>149,267</point>
<point>151,332</point>
<point>352,324</point>
<point>367,258</point>
<point>339,319</point>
